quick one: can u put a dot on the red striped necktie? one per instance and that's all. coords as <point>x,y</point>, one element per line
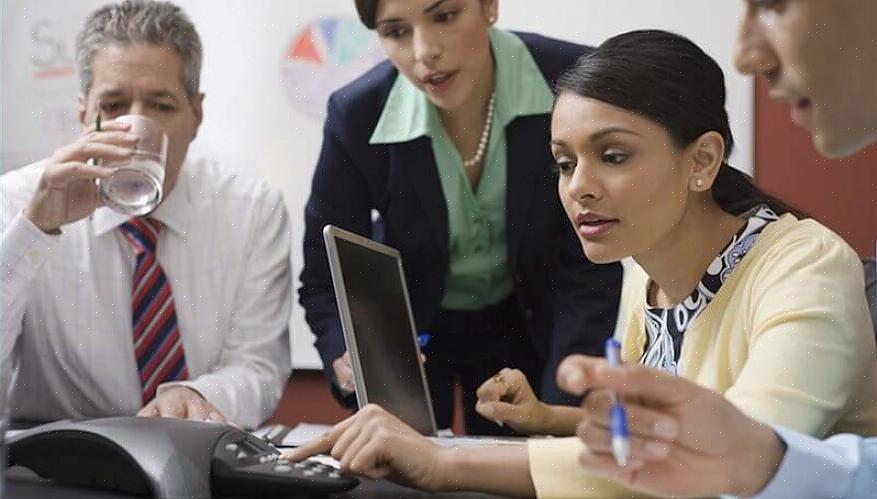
<point>157,344</point>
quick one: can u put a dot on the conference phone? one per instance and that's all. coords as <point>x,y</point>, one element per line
<point>168,458</point>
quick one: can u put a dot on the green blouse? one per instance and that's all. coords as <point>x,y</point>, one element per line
<point>478,273</point>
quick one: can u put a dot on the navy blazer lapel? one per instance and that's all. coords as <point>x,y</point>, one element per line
<point>415,160</point>
<point>527,142</point>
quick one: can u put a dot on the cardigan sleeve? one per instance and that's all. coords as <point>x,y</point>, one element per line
<point>810,344</point>
<point>556,473</point>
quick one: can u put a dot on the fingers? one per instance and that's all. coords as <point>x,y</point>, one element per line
<point>196,408</point>
<point>120,138</point>
<point>215,416</point>
<point>598,404</point>
<point>642,421</point>
<point>103,151</point>
<point>148,411</point>
<point>578,372</point>
<point>64,173</point>
<point>353,445</point>
<point>171,408</point>
<point>343,372</point>
<point>66,192</point>
<point>346,438</point>
<point>374,444</point>
<point>503,386</point>
<point>345,379</point>
<point>322,444</point>
<point>652,385</point>
<point>573,373</point>
<point>117,126</point>
<point>506,398</point>
<point>164,407</point>
<point>599,441</point>
<point>368,461</point>
<point>500,412</point>
<point>489,394</point>
<point>382,444</point>
<point>105,145</point>
<point>606,466</point>
<point>182,403</point>
<point>491,390</point>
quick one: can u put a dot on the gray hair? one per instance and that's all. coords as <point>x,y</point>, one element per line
<point>140,21</point>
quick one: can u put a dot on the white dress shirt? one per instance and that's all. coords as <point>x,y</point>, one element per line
<point>225,249</point>
<point>843,466</point>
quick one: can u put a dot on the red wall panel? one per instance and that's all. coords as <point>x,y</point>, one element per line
<point>841,194</point>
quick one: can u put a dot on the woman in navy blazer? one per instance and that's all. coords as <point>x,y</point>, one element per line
<point>447,67</point>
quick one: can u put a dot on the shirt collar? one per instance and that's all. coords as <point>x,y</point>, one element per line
<point>407,115</point>
<point>173,212</point>
<point>723,264</point>
<point>521,90</point>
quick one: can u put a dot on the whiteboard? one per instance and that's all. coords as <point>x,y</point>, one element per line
<point>270,64</point>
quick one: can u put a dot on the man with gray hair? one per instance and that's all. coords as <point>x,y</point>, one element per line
<point>180,313</point>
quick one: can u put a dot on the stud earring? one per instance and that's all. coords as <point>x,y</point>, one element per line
<point>491,19</point>
<point>699,183</point>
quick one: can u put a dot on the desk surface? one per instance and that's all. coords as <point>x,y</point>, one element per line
<point>22,484</point>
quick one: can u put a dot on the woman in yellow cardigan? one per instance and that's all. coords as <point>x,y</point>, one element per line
<point>729,290</point>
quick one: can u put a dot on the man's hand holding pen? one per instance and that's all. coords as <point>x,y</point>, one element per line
<point>715,448</point>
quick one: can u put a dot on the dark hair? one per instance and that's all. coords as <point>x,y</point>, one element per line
<point>367,10</point>
<point>667,78</point>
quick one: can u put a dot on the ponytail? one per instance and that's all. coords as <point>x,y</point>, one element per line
<point>736,193</point>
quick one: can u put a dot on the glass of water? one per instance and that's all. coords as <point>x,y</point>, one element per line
<point>136,187</point>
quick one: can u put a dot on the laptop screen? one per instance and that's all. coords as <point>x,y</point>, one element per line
<point>375,311</point>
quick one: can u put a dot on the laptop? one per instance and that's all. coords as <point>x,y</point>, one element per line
<point>380,333</point>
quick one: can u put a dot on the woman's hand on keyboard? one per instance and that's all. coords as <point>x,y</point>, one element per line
<point>375,444</point>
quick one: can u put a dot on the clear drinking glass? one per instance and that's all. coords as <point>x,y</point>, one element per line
<point>136,187</point>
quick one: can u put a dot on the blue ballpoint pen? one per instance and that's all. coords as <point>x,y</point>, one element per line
<point>618,416</point>
<point>423,339</point>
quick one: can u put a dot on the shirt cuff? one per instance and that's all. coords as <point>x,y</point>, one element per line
<point>26,249</point>
<point>812,468</point>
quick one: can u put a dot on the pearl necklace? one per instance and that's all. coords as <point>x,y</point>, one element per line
<point>485,135</point>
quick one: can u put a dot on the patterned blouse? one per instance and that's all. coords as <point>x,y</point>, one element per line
<point>665,327</point>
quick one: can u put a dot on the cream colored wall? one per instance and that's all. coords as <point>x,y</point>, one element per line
<point>250,118</point>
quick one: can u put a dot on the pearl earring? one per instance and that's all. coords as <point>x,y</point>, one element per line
<point>699,183</point>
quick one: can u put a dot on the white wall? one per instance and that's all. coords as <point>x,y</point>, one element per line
<point>262,112</point>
